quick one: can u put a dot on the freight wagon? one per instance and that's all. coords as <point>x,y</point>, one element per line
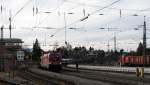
<point>126,60</point>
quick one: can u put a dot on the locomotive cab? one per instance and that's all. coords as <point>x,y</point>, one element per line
<point>51,61</point>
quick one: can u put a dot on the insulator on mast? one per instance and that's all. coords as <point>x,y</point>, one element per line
<point>33,11</point>
<point>1,8</point>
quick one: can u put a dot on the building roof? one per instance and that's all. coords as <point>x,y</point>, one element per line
<point>11,40</point>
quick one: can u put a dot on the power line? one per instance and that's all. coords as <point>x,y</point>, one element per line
<point>64,27</point>
<point>49,14</point>
<point>97,6</point>
<point>104,7</point>
<point>21,8</point>
<point>86,16</point>
<point>147,9</point>
<point>118,19</point>
<point>12,17</point>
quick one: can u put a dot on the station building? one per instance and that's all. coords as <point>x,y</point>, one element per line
<point>10,53</point>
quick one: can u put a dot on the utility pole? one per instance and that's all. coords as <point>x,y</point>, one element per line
<point>144,38</point>
<point>115,42</point>
<point>65,27</point>
<point>144,42</point>
<point>2,32</point>
<point>144,47</point>
<point>108,45</point>
<point>10,26</point>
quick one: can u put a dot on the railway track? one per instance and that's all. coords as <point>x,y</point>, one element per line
<point>30,78</point>
<point>114,78</point>
<point>39,79</point>
<point>6,83</point>
<point>72,80</point>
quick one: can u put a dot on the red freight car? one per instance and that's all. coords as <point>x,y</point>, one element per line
<point>126,60</point>
<point>51,61</point>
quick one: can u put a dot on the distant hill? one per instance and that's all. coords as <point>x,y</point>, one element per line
<point>28,49</point>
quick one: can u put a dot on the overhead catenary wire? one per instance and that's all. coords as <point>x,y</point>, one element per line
<point>35,7</point>
<point>122,16</point>
<point>104,7</point>
<point>66,0</point>
<point>85,17</point>
<point>97,6</point>
<point>13,16</point>
<point>59,29</point>
<point>120,9</point>
<point>58,6</point>
<point>117,19</point>
<point>21,9</point>
<point>1,6</point>
<point>88,14</point>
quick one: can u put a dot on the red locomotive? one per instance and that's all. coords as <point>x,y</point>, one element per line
<point>126,60</point>
<point>51,61</point>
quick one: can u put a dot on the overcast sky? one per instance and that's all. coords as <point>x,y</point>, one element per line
<point>88,32</point>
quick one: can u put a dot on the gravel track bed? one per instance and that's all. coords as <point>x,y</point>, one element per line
<point>113,77</point>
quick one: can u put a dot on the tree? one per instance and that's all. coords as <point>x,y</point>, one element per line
<point>148,51</point>
<point>28,53</point>
<point>91,48</point>
<point>37,51</point>
<point>139,49</point>
<point>121,51</point>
